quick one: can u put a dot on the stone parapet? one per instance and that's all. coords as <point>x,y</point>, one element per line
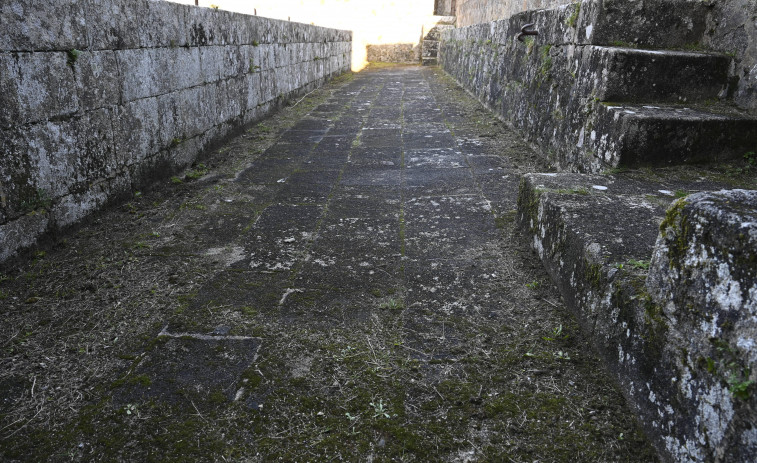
<point>100,97</point>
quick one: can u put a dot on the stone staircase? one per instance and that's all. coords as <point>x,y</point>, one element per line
<point>663,107</point>
<point>430,39</point>
<point>649,229</point>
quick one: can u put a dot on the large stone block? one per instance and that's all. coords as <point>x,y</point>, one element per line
<point>137,130</point>
<point>151,72</point>
<point>253,91</point>
<point>231,98</point>
<point>51,148</point>
<point>704,277</point>
<point>42,25</point>
<point>211,63</point>
<point>36,87</point>
<point>679,339</point>
<point>268,87</point>
<point>97,79</point>
<point>162,24</point>
<point>94,157</point>
<point>113,24</point>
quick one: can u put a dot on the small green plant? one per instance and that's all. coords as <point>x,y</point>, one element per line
<point>199,171</point>
<point>131,409</point>
<point>557,333</point>
<point>681,194</point>
<point>73,55</point>
<point>379,409</point>
<point>639,264</point>
<point>176,180</point>
<point>176,141</point>
<point>255,43</point>
<point>353,420</point>
<point>546,61</point>
<point>562,355</point>
<point>533,285</point>
<point>40,200</point>
<point>572,20</point>
<point>751,160</point>
<point>622,44</point>
<point>392,304</point>
<point>738,387</point>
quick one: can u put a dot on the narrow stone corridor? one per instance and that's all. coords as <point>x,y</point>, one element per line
<point>342,282</point>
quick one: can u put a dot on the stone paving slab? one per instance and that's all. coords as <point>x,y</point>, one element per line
<point>344,281</point>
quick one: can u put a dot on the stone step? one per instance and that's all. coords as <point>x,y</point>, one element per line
<point>661,24</point>
<point>445,20</point>
<point>599,238</point>
<point>435,32</point>
<point>648,23</point>
<point>633,135</point>
<point>635,75</point>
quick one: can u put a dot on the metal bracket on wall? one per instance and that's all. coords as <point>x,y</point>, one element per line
<point>525,31</point>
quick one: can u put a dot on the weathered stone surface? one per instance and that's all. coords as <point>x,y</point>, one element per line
<point>596,235</point>
<point>703,275</point>
<point>36,87</point>
<point>158,71</point>
<point>96,83</point>
<point>631,135</point>
<point>29,26</point>
<point>133,86</point>
<point>636,75</point>
<point>734,30</point>
<point>645,23</point>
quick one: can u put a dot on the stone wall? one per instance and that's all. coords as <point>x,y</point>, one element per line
<point>372,22</point>
<point>393,53</point>
<point>480,11</point>
<point>100,97</point>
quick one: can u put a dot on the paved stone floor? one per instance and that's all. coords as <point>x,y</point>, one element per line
<point>343,281</point>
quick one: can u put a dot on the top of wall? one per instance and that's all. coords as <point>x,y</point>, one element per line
<point>121,24</point>
<point>480,11</point>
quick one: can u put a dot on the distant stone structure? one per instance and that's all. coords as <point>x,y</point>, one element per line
<point>100,98</point>
<point>393,53</point>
